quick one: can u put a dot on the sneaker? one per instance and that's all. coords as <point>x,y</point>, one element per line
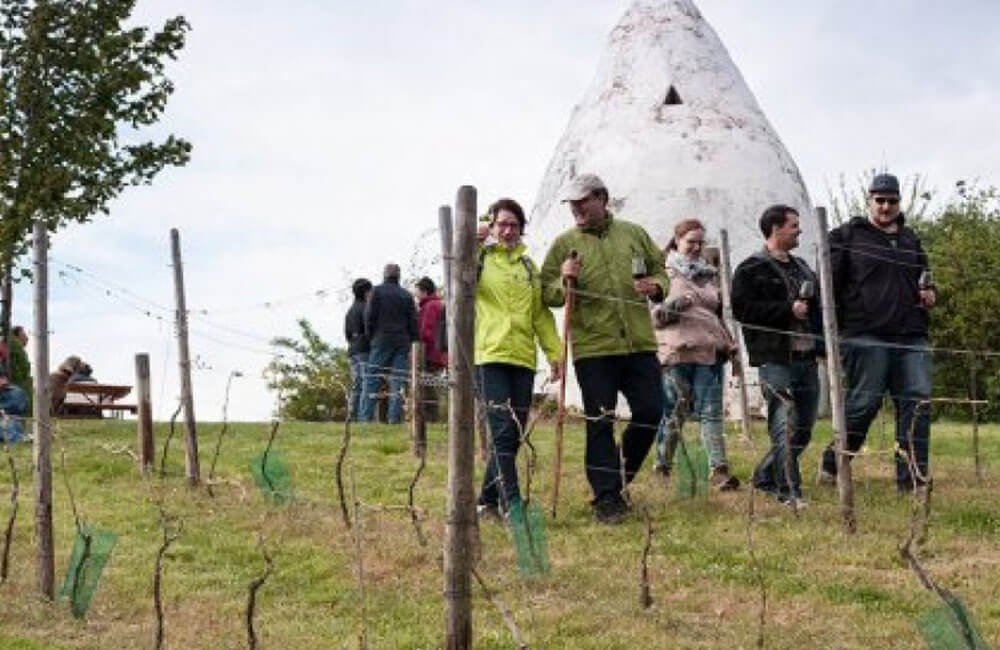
<point>610,510</point>
<point>488,512</point>
<point>721,480</point>
<point>796,503</point>
<point>826,478</point>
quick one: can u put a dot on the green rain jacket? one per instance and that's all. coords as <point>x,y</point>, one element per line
<point>609,317</point>
<point>509,310</point>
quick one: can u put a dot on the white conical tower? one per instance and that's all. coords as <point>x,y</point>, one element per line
<point>674,131</point>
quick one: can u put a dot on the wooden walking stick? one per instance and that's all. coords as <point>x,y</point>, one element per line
<point>561,412</point>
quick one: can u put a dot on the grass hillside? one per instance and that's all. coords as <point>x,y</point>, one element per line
<point>824,589</point>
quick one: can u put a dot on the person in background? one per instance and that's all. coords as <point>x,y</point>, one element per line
<point>616,269</point>
<point>430,310</point>
<point>510,320</point>
<point>391,324</point>
<point>782,327</point>
<point>358,345</point>
<point>694,347</point>
<point>17,362</point>
<point>83,375</point>
<point>13,407</point>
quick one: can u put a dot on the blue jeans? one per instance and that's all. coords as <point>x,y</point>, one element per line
<point>14,403</point>
<point>873,365</point>
<point>393,363</point>
<point>503,384</point>
<point>792,394</point>
<point>358,362</point>
<point>693,388</point>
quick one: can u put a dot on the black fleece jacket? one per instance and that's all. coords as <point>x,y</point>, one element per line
<point>875,280</point>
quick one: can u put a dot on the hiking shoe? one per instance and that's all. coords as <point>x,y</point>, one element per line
<point>610,510</point>
<point>722,480</point>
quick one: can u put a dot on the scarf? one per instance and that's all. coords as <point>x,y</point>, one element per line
<point>693,269</point>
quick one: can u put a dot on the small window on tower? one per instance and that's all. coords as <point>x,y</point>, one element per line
<point>673,97</point>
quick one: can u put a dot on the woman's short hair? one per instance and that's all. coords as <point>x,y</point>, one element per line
<point>683,227</point>
<point>510,205</point>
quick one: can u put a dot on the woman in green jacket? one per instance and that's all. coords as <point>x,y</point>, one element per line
<point>510,317</point>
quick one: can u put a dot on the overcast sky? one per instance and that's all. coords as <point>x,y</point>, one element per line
<point>326,134</point>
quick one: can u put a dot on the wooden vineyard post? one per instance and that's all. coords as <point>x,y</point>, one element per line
<point>461,510</point>
<point>418,397</point>
<point>42,448</point>
<point>191,468</point>
<point>144,413</point>
<point>726,287</point>
<point>845,484</point>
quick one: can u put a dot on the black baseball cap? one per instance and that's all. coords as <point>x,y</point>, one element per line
<point>884,184</point>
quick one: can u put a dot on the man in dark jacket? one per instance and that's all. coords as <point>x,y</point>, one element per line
<point>358,345</point>
<point>391,324</point>
<point>775,298</point>
<point>883,291</point>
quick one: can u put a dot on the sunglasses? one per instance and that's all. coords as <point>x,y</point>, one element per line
<point>891,200</point>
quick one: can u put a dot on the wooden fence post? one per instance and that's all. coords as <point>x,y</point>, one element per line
<point>191,468</point>
<point>144,415</point>
<point>445,228</point>
<point>973,396</point>
<point>418,397</point>
<point>845,484</point>
<point>461,510</point>
<point>726,287</point>
<point>44,545</point>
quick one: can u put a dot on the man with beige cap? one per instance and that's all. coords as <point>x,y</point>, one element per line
<point>616,269</point>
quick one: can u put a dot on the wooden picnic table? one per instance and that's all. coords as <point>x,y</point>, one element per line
<point>93,397</point>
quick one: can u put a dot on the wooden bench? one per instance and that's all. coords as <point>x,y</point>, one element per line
<point>91,399</point>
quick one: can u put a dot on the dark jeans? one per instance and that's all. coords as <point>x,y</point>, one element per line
<point>638,378</point>
<point>392,362</point>
<point>792,393</point>
<point>358,363</point>
<point>502,384</point>
<point>874,365</point>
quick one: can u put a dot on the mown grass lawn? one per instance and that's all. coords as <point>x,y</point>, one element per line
<point>824,589</point>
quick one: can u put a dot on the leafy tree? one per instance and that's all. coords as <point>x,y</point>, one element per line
<point>77,87</point>
<point>312,381</point>
<point>963,245</point>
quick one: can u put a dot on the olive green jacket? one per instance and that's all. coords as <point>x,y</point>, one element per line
<point>608,317</point>
<point>510,315</point>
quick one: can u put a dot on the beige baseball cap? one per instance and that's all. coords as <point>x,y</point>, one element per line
<point>581,187</point>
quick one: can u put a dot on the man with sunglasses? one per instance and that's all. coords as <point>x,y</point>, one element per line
<point>883,291</point>
<point>615,267</point>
